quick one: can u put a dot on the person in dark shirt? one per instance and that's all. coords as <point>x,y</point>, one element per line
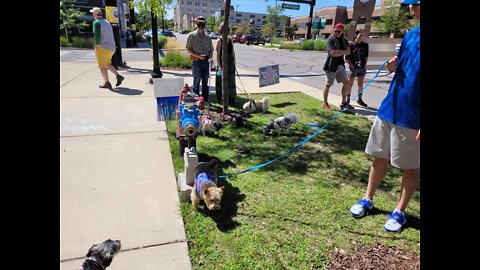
<point>357,61</point>
<point>337,48</point>
<point>395,133</point>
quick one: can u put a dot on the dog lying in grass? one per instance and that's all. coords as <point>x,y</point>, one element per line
<point>281,122</point>
<point>252,105</point>
<point>100,255</point>
<point>205,186</point>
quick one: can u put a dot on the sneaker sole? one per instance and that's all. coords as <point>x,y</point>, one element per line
<point>392,231</point>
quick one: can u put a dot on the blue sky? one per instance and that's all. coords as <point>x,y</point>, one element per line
<point>260,6</point>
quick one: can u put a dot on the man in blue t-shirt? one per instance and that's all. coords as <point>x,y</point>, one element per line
<point>395,134</point>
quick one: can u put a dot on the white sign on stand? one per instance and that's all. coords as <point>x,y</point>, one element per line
<point>268,75</point>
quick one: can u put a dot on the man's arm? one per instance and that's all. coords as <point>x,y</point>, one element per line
<point>189,47</point>
<point>97,33</point>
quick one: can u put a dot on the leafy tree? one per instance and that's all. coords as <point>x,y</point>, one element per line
<point>394,19</point>
<point>211,24</point>
<point>157,8</point>
<point>274,17</point>
<point>244,28</point>
<point>68,18</point>
<point>267,30</point>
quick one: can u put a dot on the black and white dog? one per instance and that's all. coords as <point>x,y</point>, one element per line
<point>100,256</point>
<point>279,123</point>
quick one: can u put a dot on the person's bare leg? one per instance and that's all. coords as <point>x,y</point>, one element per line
<point>345,89</point>
<point>104,73</point>
<point>360,81</point>
<point>325,93</point>
<point>378,170</point>
<point>112,69</point>
<point>410,180</point>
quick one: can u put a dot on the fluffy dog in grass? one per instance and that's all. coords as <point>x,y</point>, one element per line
<point>281,122</point>
<point>252,105</point>
<point>207,124</point>
<point>205,186</point>
<point>100,255</point>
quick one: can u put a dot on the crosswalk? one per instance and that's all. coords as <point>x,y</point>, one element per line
<point>78,56</point>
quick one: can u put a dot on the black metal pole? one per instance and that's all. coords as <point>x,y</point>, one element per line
<point>156,72</point>
<point>309,29</point>
<point>133,28</point>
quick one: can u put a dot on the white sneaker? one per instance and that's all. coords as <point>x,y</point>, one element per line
<point>395,222</point>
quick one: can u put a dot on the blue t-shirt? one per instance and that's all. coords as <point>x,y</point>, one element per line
<point>401,106</point>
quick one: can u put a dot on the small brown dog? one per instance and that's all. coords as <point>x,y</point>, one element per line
<point>205,188</point>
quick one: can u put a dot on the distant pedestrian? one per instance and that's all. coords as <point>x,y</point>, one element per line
<point>232,91</point>
<point>357,61</point>
<point>337,48</point>
<point>104,47</point>
<point>200,48</point>
<point>395,134</point>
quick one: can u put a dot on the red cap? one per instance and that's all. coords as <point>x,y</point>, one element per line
<point>339,26</point>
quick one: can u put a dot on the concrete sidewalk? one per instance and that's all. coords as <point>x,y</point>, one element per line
<point>117,177</point>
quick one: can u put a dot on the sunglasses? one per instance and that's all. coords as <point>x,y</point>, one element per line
<point>338,31</point>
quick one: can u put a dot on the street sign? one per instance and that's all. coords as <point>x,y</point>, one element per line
<point>323,22</point>
<point>291,6</point>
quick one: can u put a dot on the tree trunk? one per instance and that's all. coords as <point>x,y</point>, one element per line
<point>226,71</point>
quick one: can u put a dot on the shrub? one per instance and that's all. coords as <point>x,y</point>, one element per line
<point>82,42</point>
<point>162,40</point>
<point>307,44</point>
<point>320,45</point>
<point>64,42</point>
<point>176,59</point>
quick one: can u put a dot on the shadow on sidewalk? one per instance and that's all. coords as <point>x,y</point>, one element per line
<point>127,91</point>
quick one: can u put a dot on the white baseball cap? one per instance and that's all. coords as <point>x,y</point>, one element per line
<point>96,10</point>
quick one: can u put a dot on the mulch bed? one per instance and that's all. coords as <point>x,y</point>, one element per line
<point>376,256</point>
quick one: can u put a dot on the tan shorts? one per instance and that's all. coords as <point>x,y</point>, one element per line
<point>340,75</point>
<point>104,56</point>
<point>396,143</point>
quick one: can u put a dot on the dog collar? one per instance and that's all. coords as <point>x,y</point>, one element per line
<point>95,260</point>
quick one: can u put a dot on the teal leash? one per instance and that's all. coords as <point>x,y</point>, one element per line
<point>233,175</point>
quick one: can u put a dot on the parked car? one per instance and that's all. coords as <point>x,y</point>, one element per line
<point>299,41</point>
<point>252,39</point>
<point>167,33</point>
<point>243,39</point>
<point>236,38</point>
<point>184,32</point>
<point>214,35</point>
<point>256,39</point>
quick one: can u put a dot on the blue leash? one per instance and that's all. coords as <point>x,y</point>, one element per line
<point>308,138</point>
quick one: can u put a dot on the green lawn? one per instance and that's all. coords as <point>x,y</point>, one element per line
<point>292,213</point>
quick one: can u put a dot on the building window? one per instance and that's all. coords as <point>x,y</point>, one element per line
<point>264,17</point>
<point>239,14</point>
<point>252,16</point>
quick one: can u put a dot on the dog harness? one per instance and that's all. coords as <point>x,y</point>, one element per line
<point>203,180</point>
